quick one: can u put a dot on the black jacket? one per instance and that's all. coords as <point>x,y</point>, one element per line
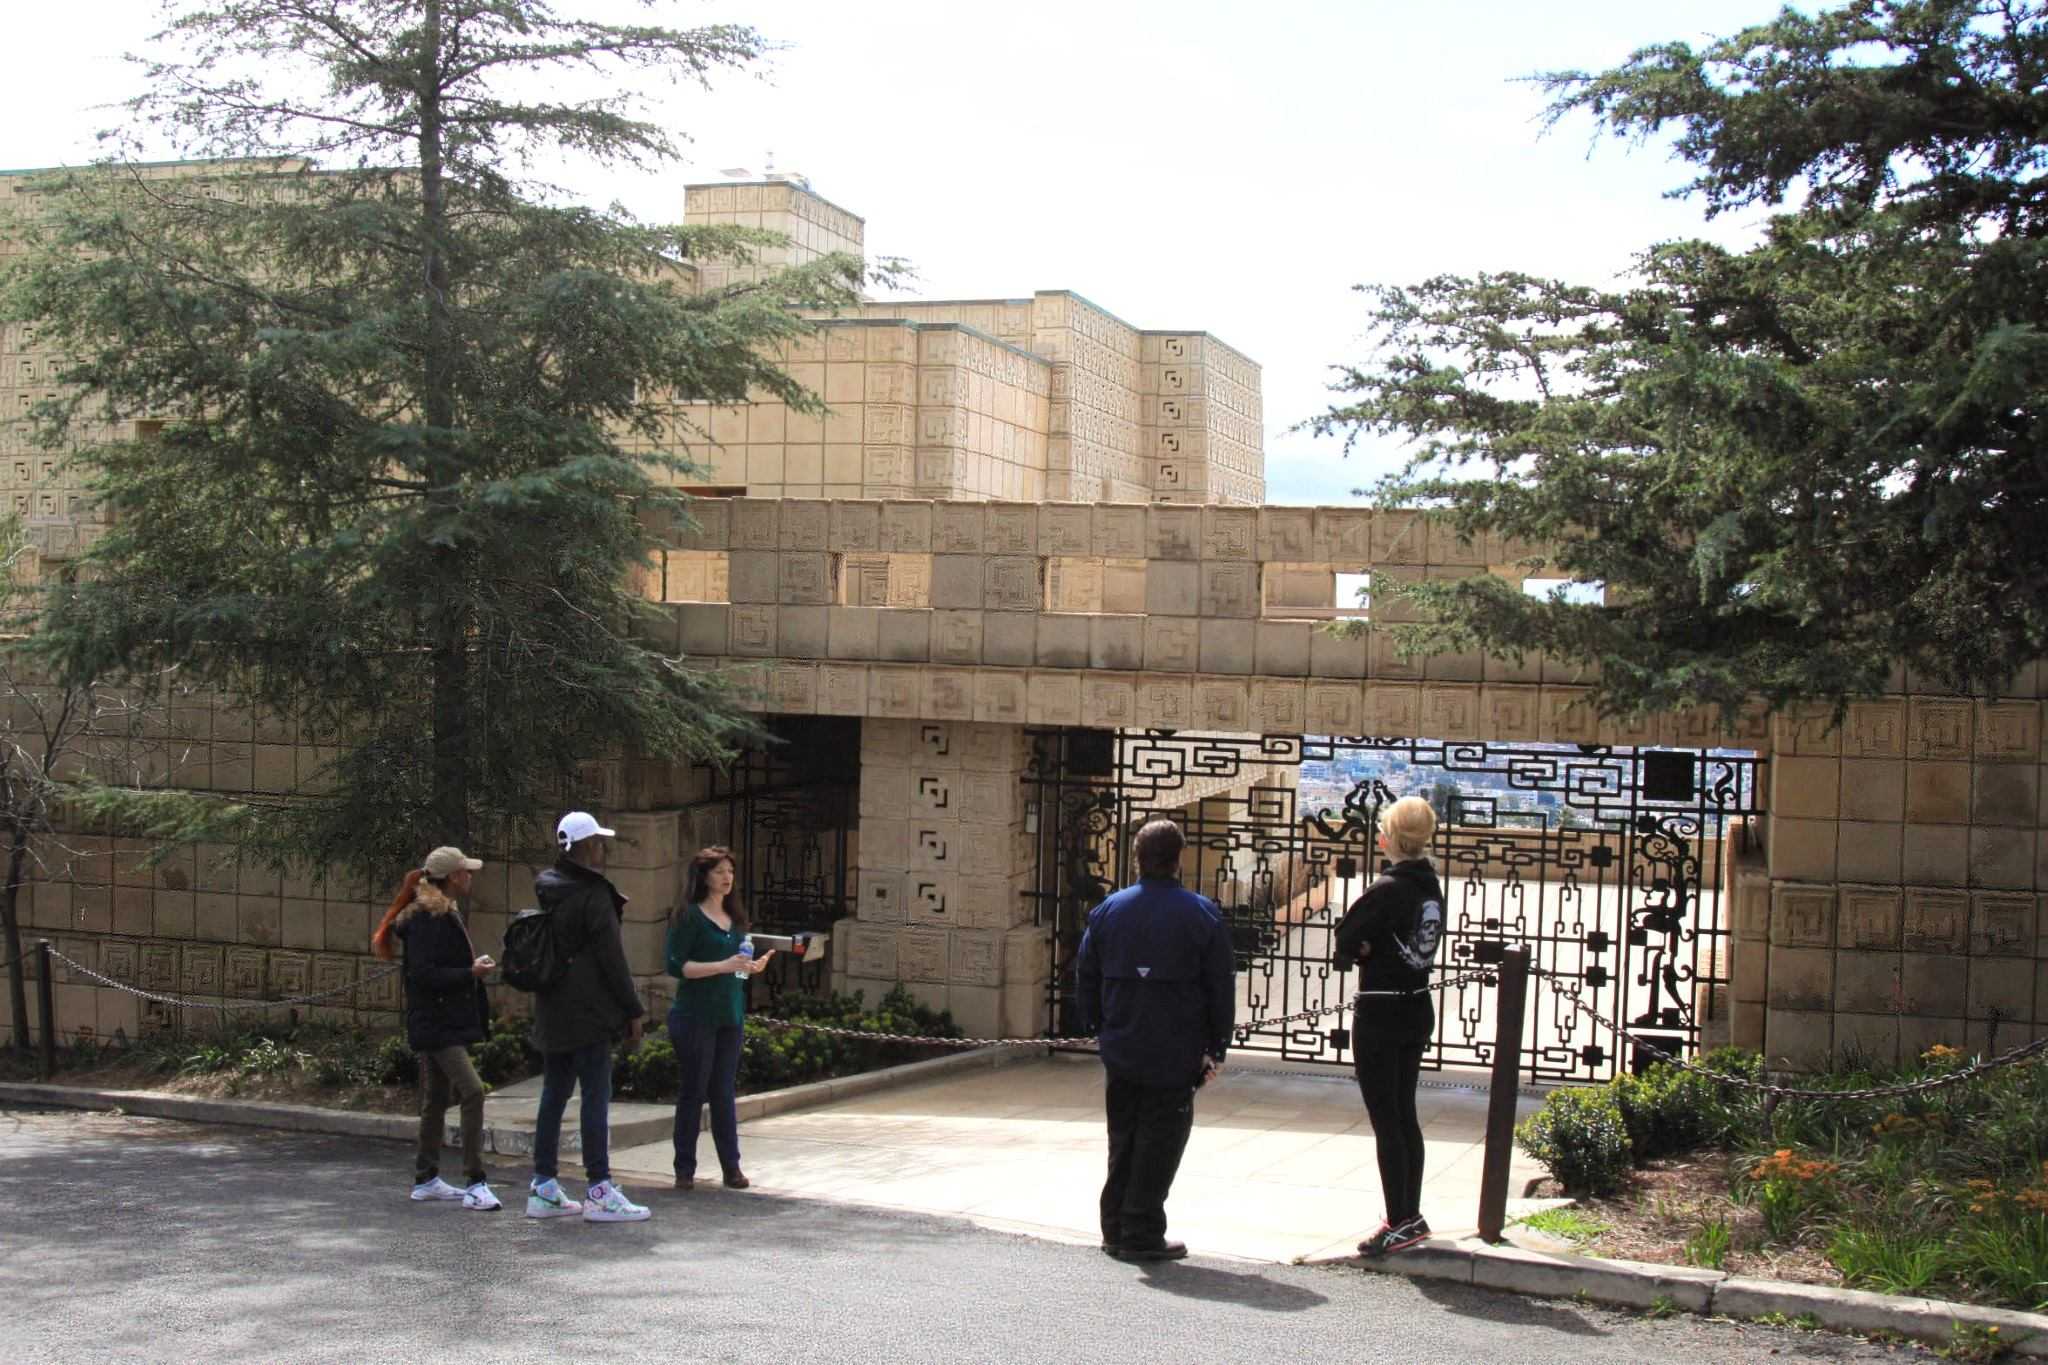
<point>595,997</point>
<point>1156,980</point>
<point>445,1004</point>
<point>1402,916</point>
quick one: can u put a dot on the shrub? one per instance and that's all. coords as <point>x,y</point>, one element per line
<point>1667,1111</point>
<point>346,1058</point>
<point>506,1054</point>
<point>772,1057</point>
<point>1579,1137</point>
<point>271,1057</point>
<point>646,1073</point>
<point>1732,1112</point>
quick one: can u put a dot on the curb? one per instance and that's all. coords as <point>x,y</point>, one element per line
<point>1640,1284</point>
<point>505,1140</point>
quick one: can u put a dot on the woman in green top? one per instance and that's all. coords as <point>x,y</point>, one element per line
<point>708,1020</point>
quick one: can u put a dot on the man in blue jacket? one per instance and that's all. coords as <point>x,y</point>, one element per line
<point>1156,985</point>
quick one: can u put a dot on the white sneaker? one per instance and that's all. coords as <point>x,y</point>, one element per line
<point>437,1188</point>
<point>480,1198</point>
<point>546,1200</point>
<point>605,1202</point>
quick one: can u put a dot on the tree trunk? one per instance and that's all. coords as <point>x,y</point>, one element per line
<point>10,922</point>
<point>447,620</point>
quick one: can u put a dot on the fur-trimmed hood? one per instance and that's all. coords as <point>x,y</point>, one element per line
<point>426,898</point>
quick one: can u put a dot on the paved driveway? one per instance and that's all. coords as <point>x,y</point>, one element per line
<point>139,1239</point>
<point>1280,1167</point>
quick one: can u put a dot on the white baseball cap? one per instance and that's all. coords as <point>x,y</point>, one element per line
<point>579,825</point>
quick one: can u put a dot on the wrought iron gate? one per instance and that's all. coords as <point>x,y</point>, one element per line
<point>1606,861</point>
<point>786,812</point>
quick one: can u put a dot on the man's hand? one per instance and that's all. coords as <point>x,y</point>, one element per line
<point>1212,1067</point>
<point>635,1027</point>
<point>1364,951</point>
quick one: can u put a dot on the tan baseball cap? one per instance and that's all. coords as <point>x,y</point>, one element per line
<point>445,860</point>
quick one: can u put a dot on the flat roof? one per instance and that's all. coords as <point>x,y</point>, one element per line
<point>968,328</point>
<point>765,184</point>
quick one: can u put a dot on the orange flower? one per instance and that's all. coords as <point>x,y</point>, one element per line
<point>1783,1165</point>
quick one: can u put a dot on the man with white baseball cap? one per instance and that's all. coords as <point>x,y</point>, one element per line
<point>576,1021</point>
<point>579,825</point>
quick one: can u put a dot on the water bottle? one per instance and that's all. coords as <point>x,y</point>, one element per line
<point>746,949</point>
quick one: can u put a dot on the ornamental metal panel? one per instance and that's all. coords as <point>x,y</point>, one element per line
<point>1607,862</point>
<point>786,813</point>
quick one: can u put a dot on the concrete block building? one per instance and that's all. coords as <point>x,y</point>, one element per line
<point>1017,591</point>
<point>1042,396</point>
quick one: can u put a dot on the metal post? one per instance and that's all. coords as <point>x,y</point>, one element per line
<point>1500,1103</point>
<point>47,1009</point>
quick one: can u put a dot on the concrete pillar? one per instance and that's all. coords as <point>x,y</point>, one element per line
<point>1906,863</point>
<point>943,866</point>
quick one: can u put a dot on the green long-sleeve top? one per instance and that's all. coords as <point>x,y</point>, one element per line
<point>719,1001</point>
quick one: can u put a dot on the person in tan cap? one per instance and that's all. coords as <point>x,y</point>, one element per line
<point>446,1009</point>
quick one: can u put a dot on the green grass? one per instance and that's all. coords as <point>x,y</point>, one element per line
<point>1708,1247</point>
<point>1899,1262</point>
<point>1571,1224</point>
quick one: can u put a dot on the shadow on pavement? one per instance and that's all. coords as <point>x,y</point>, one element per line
<point>1470,1301</point>
<point>1229,1286</point>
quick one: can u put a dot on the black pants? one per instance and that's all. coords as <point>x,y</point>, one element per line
<point>1148,1131</point>
<point>1387,1073</point>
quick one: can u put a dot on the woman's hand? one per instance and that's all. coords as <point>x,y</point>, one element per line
<point>739,964</point>
<point>760,964</point>
<point>482,967</point>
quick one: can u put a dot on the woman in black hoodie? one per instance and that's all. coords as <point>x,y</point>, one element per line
<point>446,1009</point>
<point>1391,933</point>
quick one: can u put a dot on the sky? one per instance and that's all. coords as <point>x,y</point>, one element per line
<point>1186,164</point>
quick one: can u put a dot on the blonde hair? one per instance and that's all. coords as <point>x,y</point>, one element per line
<point>1408,825</point>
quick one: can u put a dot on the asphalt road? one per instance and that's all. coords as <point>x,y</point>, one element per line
<point>140,1239</point>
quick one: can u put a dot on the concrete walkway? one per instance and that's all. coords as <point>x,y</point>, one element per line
<point>1280,1168</point>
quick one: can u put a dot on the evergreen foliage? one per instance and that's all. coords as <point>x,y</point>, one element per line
<point>1790,465</point>
<point>384,423</point>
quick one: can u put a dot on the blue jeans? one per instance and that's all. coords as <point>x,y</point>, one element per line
<point>708,1060</point>
<point>590,1067</point>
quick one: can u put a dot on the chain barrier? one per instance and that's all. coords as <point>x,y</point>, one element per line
<point>230,1006</point>
<point>1091,1044</point>
<point>224,1007</point>
<point>1981,1066</point>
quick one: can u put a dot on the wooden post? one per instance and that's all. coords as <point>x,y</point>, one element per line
<point>1500,1103</point>
<point>47,1009</point>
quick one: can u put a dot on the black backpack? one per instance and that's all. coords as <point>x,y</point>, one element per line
<point>532,960</point>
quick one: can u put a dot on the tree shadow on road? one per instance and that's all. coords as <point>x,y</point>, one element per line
<point>1229,1286</point>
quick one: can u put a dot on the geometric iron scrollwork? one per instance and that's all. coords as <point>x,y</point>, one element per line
<point>789,808</point>
<point>1606,863</point>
